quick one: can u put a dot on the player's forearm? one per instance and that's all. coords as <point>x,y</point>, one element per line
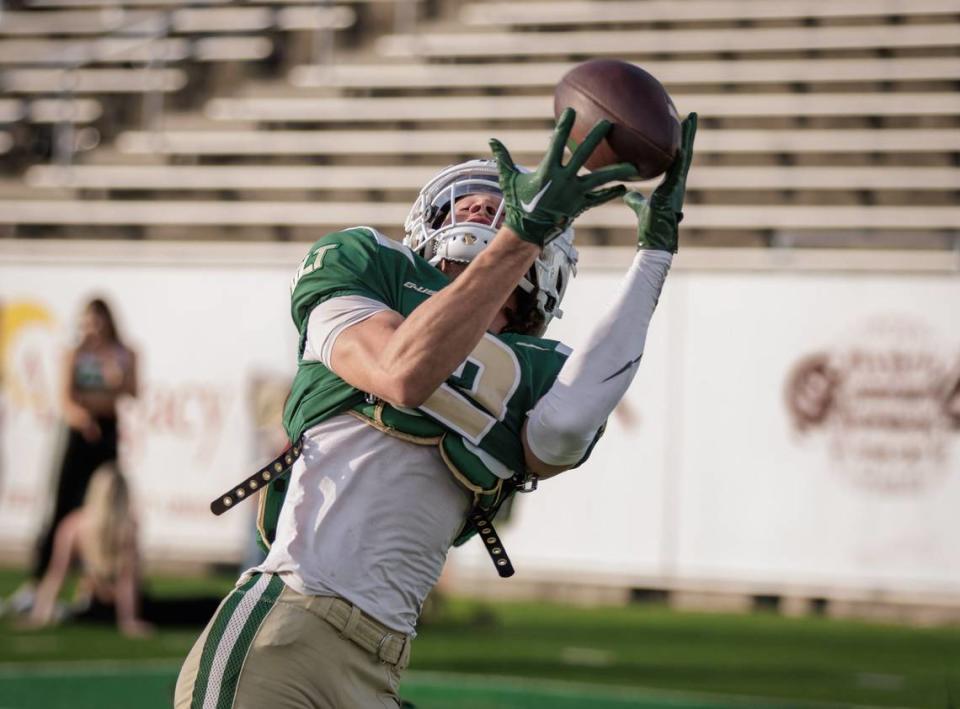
<point>432,342</point>
<point>565,421</point>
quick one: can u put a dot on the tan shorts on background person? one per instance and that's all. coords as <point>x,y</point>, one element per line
<point>269,646</point>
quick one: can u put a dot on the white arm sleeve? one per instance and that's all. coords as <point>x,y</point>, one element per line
<point>329,319</point>
<point>563,424</point>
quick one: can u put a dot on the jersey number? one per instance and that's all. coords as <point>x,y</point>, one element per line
<point>490,375</point>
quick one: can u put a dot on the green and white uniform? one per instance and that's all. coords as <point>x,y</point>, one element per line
<point>379,494</point>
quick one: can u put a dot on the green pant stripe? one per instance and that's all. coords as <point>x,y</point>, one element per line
<point>214,638</point>
<point>238,655</point>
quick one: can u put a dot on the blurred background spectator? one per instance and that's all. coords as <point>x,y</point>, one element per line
<point>97,373</point>
<point>102,534</point>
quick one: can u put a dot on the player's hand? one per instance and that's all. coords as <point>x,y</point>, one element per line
<point>659,218</point>
<point>540,205</point>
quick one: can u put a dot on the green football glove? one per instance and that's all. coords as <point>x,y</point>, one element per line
<point>660,217</point>
<point>540,205</point>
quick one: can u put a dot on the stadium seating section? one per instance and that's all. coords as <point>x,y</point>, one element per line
<point>823,122</point>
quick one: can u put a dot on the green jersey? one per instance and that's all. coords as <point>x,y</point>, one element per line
<point>475,417</point>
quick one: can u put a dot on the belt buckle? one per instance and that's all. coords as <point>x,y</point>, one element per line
<point>403,658</point>
<point>381,649</point>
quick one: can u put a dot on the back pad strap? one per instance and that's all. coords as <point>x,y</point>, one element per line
<point>491,540</point>
<point>274,469</point>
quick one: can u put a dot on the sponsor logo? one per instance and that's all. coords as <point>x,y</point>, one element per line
<point>420,289</point>
<point>887,403</point>
<point>30,339</point>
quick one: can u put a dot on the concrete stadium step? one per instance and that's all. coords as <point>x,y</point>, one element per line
<point>390,214</point>
<point>672,73</point>
<point>269,177</point>
<point>133,50</point>
<point>629,44</point>
<point>430,109</point>
<point>520,142</point>
<point>92,81</point>
<point>182,20</point>
<point>580,12</point>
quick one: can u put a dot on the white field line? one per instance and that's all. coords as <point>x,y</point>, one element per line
<point>586,690</point>
<point>98,668</point>
<point>559,688</point>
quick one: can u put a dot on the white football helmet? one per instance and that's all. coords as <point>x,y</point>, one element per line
<point>433,232</point>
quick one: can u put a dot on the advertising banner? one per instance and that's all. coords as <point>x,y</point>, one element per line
<point>787,427</point>
<point>210,336</point>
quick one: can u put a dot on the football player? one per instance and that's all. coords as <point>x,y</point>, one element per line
<point>425,395</point>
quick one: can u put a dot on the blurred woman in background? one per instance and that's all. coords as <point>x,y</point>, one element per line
<point>97,373</point>
<point>102,533</point>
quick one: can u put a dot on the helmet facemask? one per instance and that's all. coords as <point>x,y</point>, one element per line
<point>431,227</point>
<point>434,233</point>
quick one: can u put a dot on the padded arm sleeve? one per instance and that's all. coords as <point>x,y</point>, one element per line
<point>564,423</point>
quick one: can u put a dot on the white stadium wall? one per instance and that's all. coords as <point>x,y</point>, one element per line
<point>205,324</point>
<point>795,423</point>
<point>789,429</point>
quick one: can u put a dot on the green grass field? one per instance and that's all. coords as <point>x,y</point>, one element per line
<point>528,656</point>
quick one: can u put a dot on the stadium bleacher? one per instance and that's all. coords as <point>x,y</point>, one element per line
<point>364,77</point>
<point>580,12</point>
<point>430,142</point>
<point>822,122</point>
<point>177,178</point>
<point>92,81</point>
<point>431,109</point>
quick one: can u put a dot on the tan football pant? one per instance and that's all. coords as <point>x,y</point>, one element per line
<point>268,646</point>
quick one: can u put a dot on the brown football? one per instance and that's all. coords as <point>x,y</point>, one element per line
<point>646,126</point>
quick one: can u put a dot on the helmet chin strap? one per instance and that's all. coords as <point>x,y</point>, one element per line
<point>542,298</point>
<point>463,242</point>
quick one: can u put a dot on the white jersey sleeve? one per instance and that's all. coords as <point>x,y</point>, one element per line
<point>330,318</point>
<point>564,423</point>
